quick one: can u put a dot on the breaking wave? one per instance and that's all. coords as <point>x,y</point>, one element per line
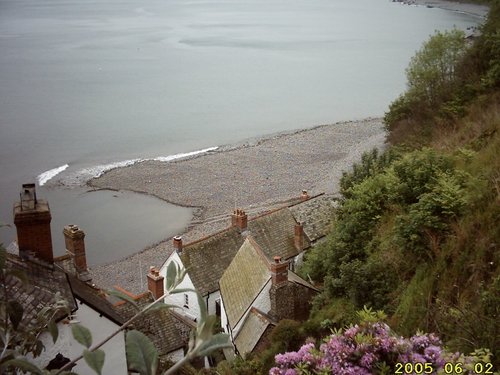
<point>50,174</point>
<point>81,176</point>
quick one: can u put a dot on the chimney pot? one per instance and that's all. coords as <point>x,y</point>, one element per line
<point>304,196</point>
<point>299,237</point>
<point>155,282</point>
<point>279,271</point>
<point>74,238</point>
<point>177,241</point>
<point>32,219</point>
<point>239,219</point>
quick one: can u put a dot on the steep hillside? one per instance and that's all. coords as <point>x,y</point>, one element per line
<point>418,231</point>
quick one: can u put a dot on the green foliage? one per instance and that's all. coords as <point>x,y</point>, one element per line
<point>94,359</point>
<point>287,335</point>
<point>82,335</point>
<point>431,78</point>
<point>433,68</point>
<point>142,355</point>
<point>372,162</point>
<point>240,366</point>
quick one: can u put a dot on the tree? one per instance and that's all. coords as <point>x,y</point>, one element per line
<point>431,77</point>
<point>433,68</point>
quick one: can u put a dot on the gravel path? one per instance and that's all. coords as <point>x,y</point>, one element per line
<point>258,175</point>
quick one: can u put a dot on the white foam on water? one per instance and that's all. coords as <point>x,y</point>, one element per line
<point>184,155</point>
<point>44,177</point>
<point>81,176</point>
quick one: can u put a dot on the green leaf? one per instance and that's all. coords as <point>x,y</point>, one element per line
<point>142,355</point>
<point>203,307</point>
<point>15,311</point>
<point>21,364</point>
<point>82,335</point>
<point>171,275</point>
<point>205,328</point>
<point>94,359</point>
<point>123,297</point>
<point>218,341</point>
<point>54,331</point>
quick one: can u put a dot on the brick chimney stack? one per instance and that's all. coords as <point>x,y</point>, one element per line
<point>74,239</point>
<point>155,282</point>
<point>304,196</point>
<point>298,238</point>
<point>279,271</point>
<point>32,219</point>
<point>281,293</point>
<point>239,219</point>
<point>177,241</point>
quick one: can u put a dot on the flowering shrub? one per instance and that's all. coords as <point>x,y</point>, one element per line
<point>372,348</point>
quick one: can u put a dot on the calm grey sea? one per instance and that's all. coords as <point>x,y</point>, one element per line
<point>87,83</point>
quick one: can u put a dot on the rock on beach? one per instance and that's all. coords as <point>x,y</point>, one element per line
<point>257,175</point>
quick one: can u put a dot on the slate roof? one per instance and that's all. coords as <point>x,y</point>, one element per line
<point>95,298</point>
<point>208,258</point>
<point>274,232</point>
<point>316,215</point>
<point>168,330</point>
<point>243,280</point>
<point>253,328</point>
<point>43,282</point>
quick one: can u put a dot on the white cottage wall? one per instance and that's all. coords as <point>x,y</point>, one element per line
<point>100,327</point>
<point>191,309</point>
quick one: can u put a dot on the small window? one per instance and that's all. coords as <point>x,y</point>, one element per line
<point>186,300</point>
<point>217,308</point>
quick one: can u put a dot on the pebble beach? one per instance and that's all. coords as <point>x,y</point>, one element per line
<point>257,175</point>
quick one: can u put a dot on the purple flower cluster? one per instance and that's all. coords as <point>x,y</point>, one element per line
<point>361,350</point>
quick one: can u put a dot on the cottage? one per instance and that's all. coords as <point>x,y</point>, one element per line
<point>205,260</point>
<point>257,292</point>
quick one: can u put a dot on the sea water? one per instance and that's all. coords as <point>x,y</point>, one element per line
<point>89,85</point>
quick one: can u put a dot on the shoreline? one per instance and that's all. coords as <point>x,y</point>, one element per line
<point>257,174</point>
<point>473,9</point>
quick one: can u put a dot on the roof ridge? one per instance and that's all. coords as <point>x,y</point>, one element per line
<point>232,226</point>
<point>207,237</point>
<point>310,198</point>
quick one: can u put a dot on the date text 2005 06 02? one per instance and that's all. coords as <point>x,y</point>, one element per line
<point>449,368</point>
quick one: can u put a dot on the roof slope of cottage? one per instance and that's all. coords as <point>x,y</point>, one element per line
<point>168,330</point>
<point>208,258</point>
<point>95,298</point>
<point>316,215</point>
<point>274,232</point>
<point>243,280</point>
<point>43,282</point>
<point>253,328</point>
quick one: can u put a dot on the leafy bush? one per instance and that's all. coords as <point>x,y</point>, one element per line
<point>371,347</point>
<point>287,335</point>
